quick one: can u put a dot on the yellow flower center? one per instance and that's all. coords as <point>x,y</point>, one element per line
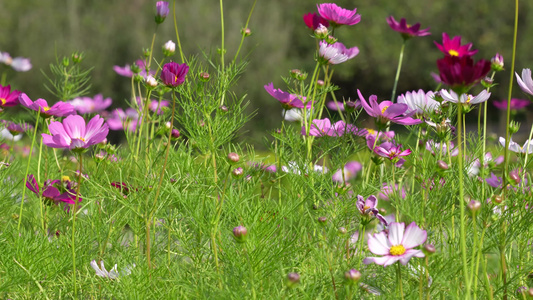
<point>384,109</point>
<point>397,250</point>
<point>46,108</point>
<point>65,178</point>
<point>80,138</point>
<point>3,100</point>
<point>468,98</point>
<point>453,53</point>
<point>371,131</point>
<point>366,207</point>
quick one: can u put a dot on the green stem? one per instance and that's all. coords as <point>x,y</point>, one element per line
<point>397,77</point>
<point>243,35</point>
<point>74,212</point>
<point>177,33</point>
<point>399,279</point>
<point>222,52</point>
<point>461,196</point>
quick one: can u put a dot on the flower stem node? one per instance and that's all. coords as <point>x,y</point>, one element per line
<point>331,40</point>
<point>233,158</point>
<point>239,233</point>
<point>293,279</point>
<point>352,276</point>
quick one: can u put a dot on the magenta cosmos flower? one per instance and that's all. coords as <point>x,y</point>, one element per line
<point>173,74</point>
<point>388,111</point>
<point>388,150</point>
<point>88,105</point>
<point>162,11</point>
<point>73,134</point>
<point>336,53</point>
<point>7,97</point>
<point>453,47</point>
<point>462,72</point>
<point>397,245</point>
<point>60,109</point>
<point>516,104</point>
<point>526,82</point>
<point>50,192</point>
<point>420,103</point>
<point>337,15</point>
<point>325,128</point>
<point>287,100</point>
<point>405,29</point>
<point>312,20</point>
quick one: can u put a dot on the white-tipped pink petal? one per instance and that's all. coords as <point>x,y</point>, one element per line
<point>378,244</point>
<point>396,233</point>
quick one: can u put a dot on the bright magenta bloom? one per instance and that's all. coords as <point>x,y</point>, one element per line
<point>461,72</point>
<point>325,128</point>
<point>526,82</point>
<point>312,20</point>
<point>60,109</point>
<point>287,100</point>
<point>405,29</point>
<point>516,104</point>
<point>453,47</point>
<point>368,208</point>
<point>173,74</point>
<point>8,97</point>
<point>388,111</point>
<point>73,134</point>
<point>51,193</point>
<point>336,53</point>
<point>397,245</point>
<point>338,15</point>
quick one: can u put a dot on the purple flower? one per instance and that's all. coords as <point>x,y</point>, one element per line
<point>15,128</point>
<point>338,15</point>
<point>526,82</point>
<point>312,20</point>
<point>121,119</point>
<point>50,192</point>
<point>161,11</point>
<point>405,29</point>
<point>173,74</point>
<point>387,111</point>
<point>7,97</point>
<point>421,103</point>
<point>467,99</point>
<point>88,105</point>
<point>453,47</point>
<point>287,100</point>
<point>368,207</point>
<point>60,109</point>
<point>494,181</point>
<point>347,173</point>
<point>388,150</point>
<point>516,104</point>
<point>397,245</point>
<point>73,134</point>
<point>336,53</point>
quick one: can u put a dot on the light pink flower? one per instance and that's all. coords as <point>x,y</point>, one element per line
<point>73,134</point>
<point>387,111</point>
<point>336,53</point>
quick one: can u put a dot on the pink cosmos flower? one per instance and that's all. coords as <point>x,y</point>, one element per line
<point>405,29</point>
<point>127,72</point>
<point>88,105</point>
<point>397,245</point>
<point>489,163</point>
<point>388,150</point>
<point>381,135</point>
<point>387,111</point>
<point>19,64</point>
<point>121,119</point>
<point>516,104</point>
<point>312,20</point>
<point>336,53</point>
<point>494,181</point>
<point>421,103</point>
<point>349,170</point>
<point>60,109</point>
<point>154,105</point>
<point>388,190</point>
<point>173,74</point>
<point>325,128</point>
<point>287,100</point>
<point>453,47</point>
<point>162,11</point>
<point>73,134</point>
<point>368,208</point>
<point>15,128</point>
<point>50,192</point>
<point>338,15</point>
<point>526,82</point>
<point>7,97</point>
<point>340,106</point>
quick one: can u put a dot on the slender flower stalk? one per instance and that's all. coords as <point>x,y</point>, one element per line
<point>398,69</point>
<point>177,33</point>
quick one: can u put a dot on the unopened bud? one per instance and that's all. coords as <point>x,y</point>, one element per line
<point>168,125</point>
<point>474,206</point>
<point>150,81</point>
<point>515,177</point>
<point>237,172</point>
<point>497,199</point>
<point>322,220</point>
<point>293,279</point>
<point>77,57</point>
<point>514,127</point>
<point>175,133</point>
<point>352,276</point>
<point>321,32</point>
<point>428,249</point>
<point>331,40</point>
<point>162,11</point>
<point>233,157</point>
<point>169,48</point>
<point>135,68</point>
<point>497,63</point>
<point>246,32</point>
<point>66,61</point>
<point>239,233</point>
<point>320,83</point>
<point>204,76</point>
<point>224,108</point>
<point>442,165</point>
<point>342,230</point>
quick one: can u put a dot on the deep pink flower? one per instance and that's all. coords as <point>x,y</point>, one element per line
<point>526,82</point>
<point>405,29</point>
<point>349,170</point>
<point>397,245</point>
<point>60,109</point>
<point>173,74</point>
<point>312,20</point>
<point>387,111</point>
<point>287,100</point>
<point>338,15</point>
<point>162,11</point>
<point>51,192</point>
<point>336,53</point>
<point>516,104</point>
<point>453,47</point>
<point>88,105</point>
<point>461,72</point>
<point>325,128</point>
<point>73,134</point>
<point>7,97</point>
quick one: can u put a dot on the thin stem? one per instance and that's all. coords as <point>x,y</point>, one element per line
<point>73,242</point>
<point>399,279</point>
<point>177,34</point>
<point>243,34</point>
<point>461,196</point>
<point>398,72</point>
<point>222,52</point>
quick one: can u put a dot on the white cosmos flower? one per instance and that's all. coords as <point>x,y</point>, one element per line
<point>420,102</point>
<point>113,273</point>
<point>513,146</point>
<point>451,96</point>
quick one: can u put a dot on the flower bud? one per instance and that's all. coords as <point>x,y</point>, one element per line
<point>246,32</point>
<point>295,73</point>
<point>322,220</point>
<point>497,199</point>
<point>514,127</point>
<point>321,32</point>
<point>175,133</point>
<point>237,172</point>
<point>135,68</point>
<point>66,61</point>
<point>204,76</point>
<point>77,57</point>
<point>530,292</point>
<point>320,83</point>
<point>350,106</point>
<point>150,81</point>
<point>173,180</point>
<point>147,52</point>
<point>169,48</point>
<point>442,165</point>
<point>162,11</point>
<point>331,40</point>
<point>240,233</point>
<point>352,276</point>
<point>293,279</point>
<point>497,63</point>
<point>428,249</point>
<point>223,108</point>
<point>233,157</point>
<point>514,176</point>
<point>342,230</point>
<point>474,206</point>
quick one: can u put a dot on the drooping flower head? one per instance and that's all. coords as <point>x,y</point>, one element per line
<point>173,74</point>
<point>336,53</point>
<point>453,47</point>
<point>60,109</point>
<point>516,104</point>
<point>460,73</point>
<point>405,29</point>
<point>287,100</point>
<point>7,97</point>
<point>162,11</point>
<point>368,208</point>
<point>88,105</point>
<point>337,15</point>
<point>397,245</point>
<point>74,134</point>
<point>387,111</point>
<point>312,20</point>
<point>421,103</point>
<point>526,82</point>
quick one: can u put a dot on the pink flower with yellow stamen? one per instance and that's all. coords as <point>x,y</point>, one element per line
<point>73,134</point>
<point>60,109</point>
<point>387,111</point>
<point>453,47</point>
<point>8,97</point>
<point>337,15</point>
<point>405,29</point>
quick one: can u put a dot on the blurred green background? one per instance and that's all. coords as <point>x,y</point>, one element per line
<point>115,32</point>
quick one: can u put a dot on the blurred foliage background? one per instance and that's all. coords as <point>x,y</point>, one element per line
<point>115,32</point>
